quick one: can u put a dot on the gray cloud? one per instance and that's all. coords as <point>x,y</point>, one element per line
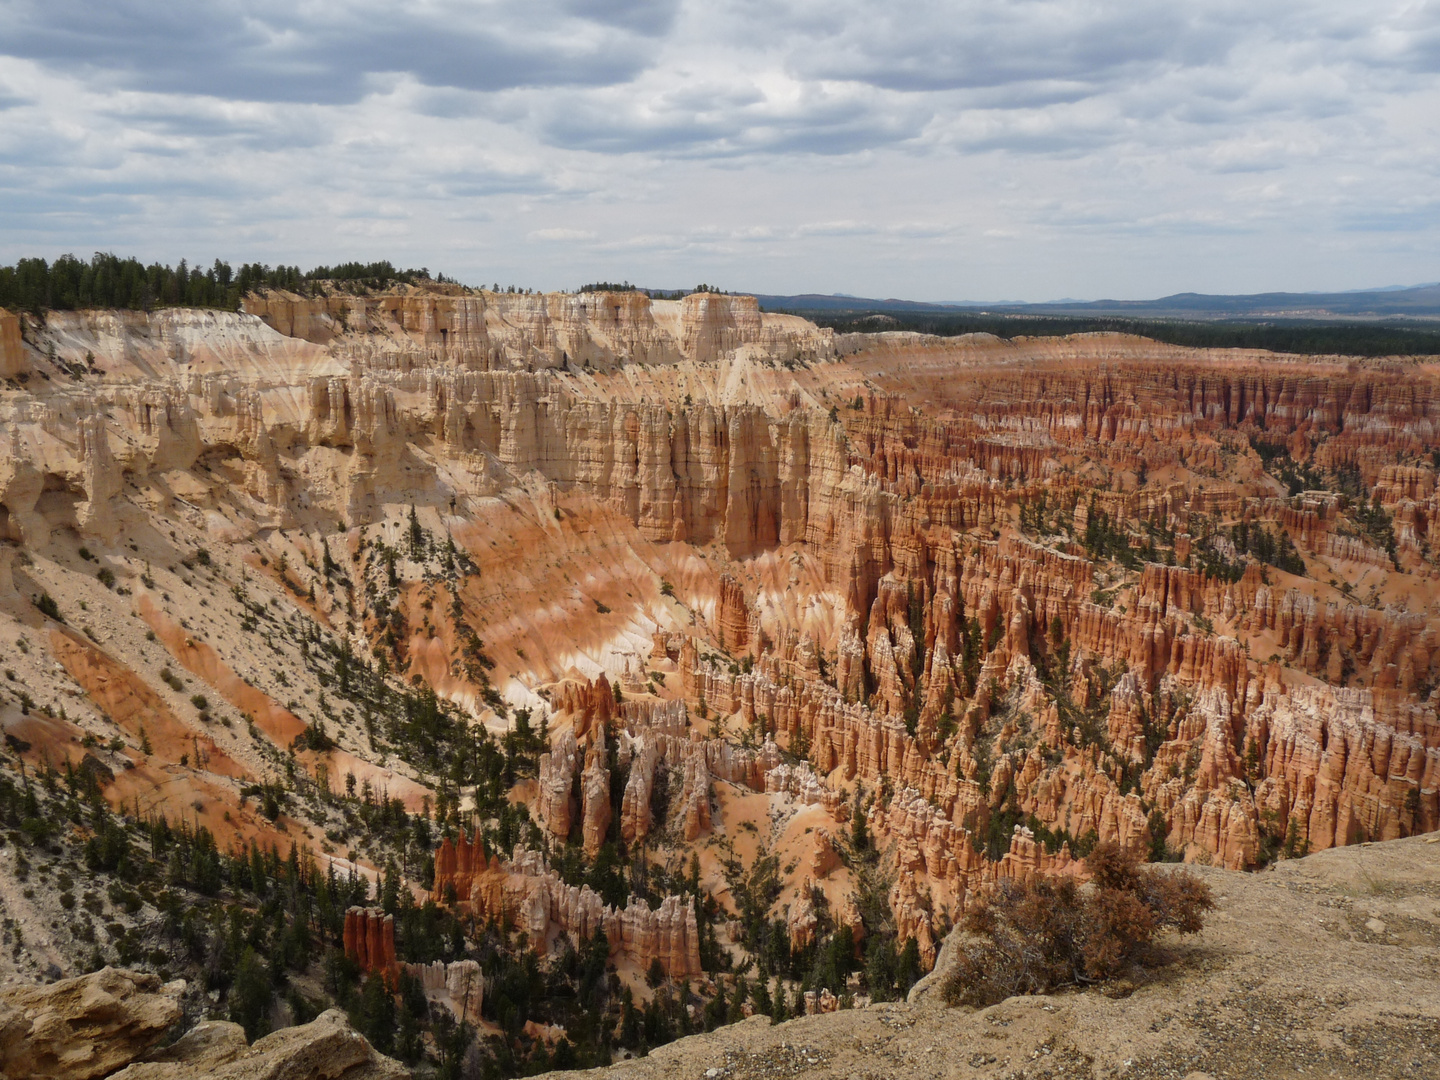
<point>716,122</point>
<point>974,45</point>
<point>263,50</point>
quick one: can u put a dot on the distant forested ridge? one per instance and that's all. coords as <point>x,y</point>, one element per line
<point>108,281</point>
<point>1366,339</point>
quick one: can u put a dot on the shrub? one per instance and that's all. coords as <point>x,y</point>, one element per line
<point>1049,934</point>
<point>47,606</point>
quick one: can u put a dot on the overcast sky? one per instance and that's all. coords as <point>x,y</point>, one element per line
<point>1009,149</point>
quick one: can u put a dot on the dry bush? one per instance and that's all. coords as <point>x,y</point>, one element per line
<point>1049,934</point>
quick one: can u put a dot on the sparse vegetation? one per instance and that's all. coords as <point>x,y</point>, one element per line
<point>1047,934</point>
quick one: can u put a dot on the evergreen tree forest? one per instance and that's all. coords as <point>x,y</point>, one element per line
<point>108,281</point>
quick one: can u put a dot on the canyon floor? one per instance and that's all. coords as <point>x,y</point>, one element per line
<point>1324,966</point>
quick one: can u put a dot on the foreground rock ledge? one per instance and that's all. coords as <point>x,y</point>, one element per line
<point>85,1027</point>
<point>106,1024</point>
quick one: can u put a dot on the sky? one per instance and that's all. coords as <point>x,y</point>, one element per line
<point>1000,150</point>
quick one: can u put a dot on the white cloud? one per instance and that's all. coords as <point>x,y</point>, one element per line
<point>562,234</point>
<point>932,148</point>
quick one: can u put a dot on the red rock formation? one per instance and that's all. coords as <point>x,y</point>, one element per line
<point>370,939</point>
<point>591,703</point>
<point>732,625</point>
<point>978,582</point>
<point>802,920</point>
<point>695,796</point>
<point>823,856</point>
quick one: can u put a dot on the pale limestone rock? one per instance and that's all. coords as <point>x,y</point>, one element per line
<point>83,1028</point>
<point>595,793</point>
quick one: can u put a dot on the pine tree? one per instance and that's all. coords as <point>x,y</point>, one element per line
<point>737,1003</point>
<point>251,995</point>
<point>417,537</point>
<point>777,996</point>
<point>717,1011</point>
<point>859,834</point>
<point>760,998</point>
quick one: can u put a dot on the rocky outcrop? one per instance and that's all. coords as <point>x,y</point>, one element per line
<point>598,330</point>
<point>526,894</point>
<point>732,621</point>
<point>595,795</point>
<point>208,1046</point>
<point>695,796</point>
<point>327,1048</point>
<point>994,583</point>
<point>554,804</point>
<point>12,346</point>
<point>636,817</point>
<point>801,784</point>
<point>83,1028</point>
<point>592,703</point>
<point>802,920</point>
<point>1343,765</point>
<point>459,986</point>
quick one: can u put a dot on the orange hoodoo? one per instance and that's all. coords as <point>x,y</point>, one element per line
<point>591,703</point>
<point>457,862</point>
<point>370,939</point>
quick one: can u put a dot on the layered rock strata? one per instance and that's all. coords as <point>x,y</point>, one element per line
<point>525,893</point>
<point>990,584</point>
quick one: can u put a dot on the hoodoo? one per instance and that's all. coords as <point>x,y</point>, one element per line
<point>596,666</point>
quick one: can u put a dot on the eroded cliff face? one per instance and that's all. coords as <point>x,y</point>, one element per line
<point>509,331</point>
<point>1003,599</point>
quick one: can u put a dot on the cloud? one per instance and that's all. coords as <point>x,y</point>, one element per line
<point>711,120</point>
<point>940,142</point>
<point>562,234</point>
<point>265,50</point>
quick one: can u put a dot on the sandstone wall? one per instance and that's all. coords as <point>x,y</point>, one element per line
<point>12,347</point>
<point>502,331</point>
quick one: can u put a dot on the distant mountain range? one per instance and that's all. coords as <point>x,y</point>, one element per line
<point>1409,302</point>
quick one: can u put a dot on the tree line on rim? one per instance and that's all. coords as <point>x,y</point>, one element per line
<point>108,281</point>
